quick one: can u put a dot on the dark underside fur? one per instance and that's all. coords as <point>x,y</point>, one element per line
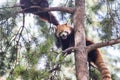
<point>69,42</point>
<point>65,43</point>
<point>47,16</point>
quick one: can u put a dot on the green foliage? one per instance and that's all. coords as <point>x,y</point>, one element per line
<point>21,51</point>
<point>7,50</point>
<point>103,18</point>
<point>97,7</point>
<point>114,77</point>
<point>102,23</point>
<point>27,74</point>
<point>94,74</point>
<point>106,28</point>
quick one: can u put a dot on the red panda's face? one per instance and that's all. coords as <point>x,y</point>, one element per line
<point>63,31</point>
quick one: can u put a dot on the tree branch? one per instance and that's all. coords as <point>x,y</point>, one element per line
<point>64,9</point>
<point>57,67</point>
<point>70,49</point>
<point>102,44</point>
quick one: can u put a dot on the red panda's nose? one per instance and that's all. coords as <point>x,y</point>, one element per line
<point>64,35</point>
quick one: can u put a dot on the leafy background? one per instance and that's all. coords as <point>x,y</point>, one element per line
<point>28,51</point>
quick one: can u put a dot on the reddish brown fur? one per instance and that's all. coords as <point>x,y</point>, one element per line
<point>46,16</point>
<point>93,56</point>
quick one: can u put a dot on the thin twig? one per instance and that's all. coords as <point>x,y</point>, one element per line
<point>57,67</point>
<point>69,49</point>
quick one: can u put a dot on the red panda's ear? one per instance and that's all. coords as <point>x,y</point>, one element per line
<point>54,29</point>
<point>68,24</point>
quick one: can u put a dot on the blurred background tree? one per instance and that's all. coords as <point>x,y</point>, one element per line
<point>27,49</point>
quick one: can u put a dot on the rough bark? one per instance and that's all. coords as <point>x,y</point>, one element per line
<point>80,41</point>
<point>103,44</point>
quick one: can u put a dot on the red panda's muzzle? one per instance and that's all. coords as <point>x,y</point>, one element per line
<point>64,35</point>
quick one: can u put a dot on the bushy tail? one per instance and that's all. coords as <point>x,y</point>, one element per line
<point>48,16</point>
<point>102,67</point>
<point>97,59</point>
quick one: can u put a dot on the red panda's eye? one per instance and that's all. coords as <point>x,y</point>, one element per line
<point>60,33</point>
<point>66,32</point>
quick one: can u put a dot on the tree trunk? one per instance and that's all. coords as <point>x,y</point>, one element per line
<point>80,42</point>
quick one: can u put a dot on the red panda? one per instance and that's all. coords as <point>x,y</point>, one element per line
<point>47,16</point>
<point>65,38</point>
